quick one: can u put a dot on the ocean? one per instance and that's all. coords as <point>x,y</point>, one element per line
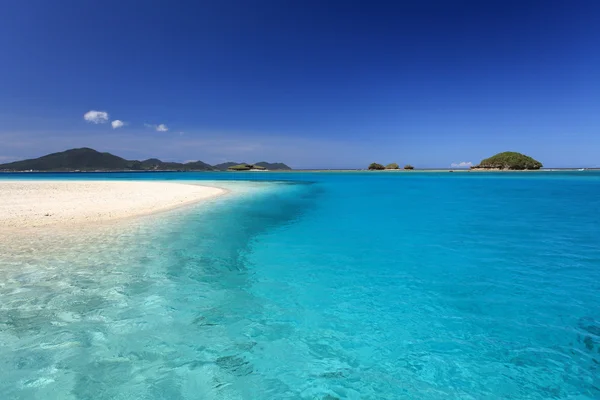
<point>316,285</point>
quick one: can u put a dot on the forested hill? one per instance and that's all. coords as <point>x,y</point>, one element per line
<point>86,159</point>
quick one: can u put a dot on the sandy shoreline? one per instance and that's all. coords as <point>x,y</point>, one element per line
<point>32,204</point>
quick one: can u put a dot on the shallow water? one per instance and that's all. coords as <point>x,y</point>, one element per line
<point>317,286</point>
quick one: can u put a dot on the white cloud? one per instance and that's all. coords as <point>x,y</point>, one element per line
<point>462,164</point>
<point>96,117</point>
<point>117,123</point>
<point>158,128</point>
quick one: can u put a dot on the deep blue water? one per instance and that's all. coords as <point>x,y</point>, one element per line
<point>320,286</point>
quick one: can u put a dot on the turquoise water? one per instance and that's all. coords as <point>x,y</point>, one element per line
<point>318,286</point>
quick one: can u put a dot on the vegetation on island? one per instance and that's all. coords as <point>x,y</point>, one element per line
<point>258,167</point>
<point>376,167</point>
<point>246,167</point>
<point>154,164</point>
<point>273,166</point>
<point>379,167</point>
<point>240,167</point>
<point>86,159</point>
<point>224,166</point>
<point>509,160</point>
<point>236,166</point>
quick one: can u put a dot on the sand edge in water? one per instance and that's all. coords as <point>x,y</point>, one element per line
<point>32,204</point>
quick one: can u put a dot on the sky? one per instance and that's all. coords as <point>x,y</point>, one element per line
<point>314,84</point>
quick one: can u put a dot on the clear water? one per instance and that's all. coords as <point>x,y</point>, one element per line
<point>317,286</point>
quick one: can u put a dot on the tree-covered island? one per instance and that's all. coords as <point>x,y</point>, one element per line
<point>508,160</point>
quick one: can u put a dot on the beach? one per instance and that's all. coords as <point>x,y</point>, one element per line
<point>63,203</point>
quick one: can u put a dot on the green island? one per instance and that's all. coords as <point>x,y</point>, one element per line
<point>246,167</point>
<point>86,159</point>
<point>508,160</point>
<point>376,167</point>
<point>391,166</point>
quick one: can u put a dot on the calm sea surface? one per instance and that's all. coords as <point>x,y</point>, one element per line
<point>316,286</point>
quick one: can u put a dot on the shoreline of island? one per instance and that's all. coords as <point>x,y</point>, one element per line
<point>295,171</point>
<point>31,204</point>
<point>85,160</point>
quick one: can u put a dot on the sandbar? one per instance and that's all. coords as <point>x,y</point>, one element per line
<point>31,204</point>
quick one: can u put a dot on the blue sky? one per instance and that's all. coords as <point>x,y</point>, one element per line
<point>311,83</point>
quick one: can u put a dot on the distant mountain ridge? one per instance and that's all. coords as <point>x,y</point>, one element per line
<point>86,159</point>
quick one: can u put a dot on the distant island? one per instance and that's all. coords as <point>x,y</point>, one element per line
<point>260,166</point>
<point>376,167</point>
<point>392,166</point>
<point>86,159</point>
<point>508,160</point>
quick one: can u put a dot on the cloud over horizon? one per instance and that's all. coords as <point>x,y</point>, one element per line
<point>462,164</point>
<point>96,117</point>
<point>158,128</point>
<point>117,123</point>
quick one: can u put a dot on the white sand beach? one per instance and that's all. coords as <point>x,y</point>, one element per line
<point>29,204</point>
